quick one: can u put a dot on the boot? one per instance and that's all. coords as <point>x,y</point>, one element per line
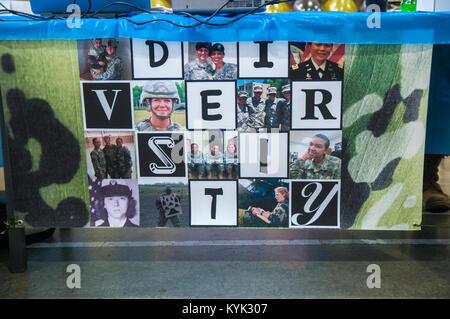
<point>434,199</point>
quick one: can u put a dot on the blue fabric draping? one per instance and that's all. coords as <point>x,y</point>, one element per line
<point>336,27</point>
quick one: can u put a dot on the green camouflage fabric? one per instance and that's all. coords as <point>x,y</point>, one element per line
<point>330,168</point>
<point>214,159</point>
<point>99,163</point>
<point>146,125</point>
<point>110,152</point>
<point>198,71</point>
<point>256,114</point>
<point>242,119</point>
<point>384,114</point>
<point>159,89</point>
<point>124,163</point>
<point>280,214</point>
<point>114,67</point>
<point>227,72</point>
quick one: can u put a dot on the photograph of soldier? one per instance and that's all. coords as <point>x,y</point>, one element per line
<point>231,160</point>
<point>196,163</point>
<point>242,112</point>
<point>104,59</point>
<point>214,163</point>
<point>223,70</point>
<point>114,203</point>
<point>263,203</point>
<point>266,108</point>
<point>208,61</point>
<point>319,62</point>
<point>164,204</point>
<point>109,160</point>
<point>310,155</point>
<point>164,100</point>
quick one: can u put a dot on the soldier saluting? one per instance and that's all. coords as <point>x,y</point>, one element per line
<point>318,67</point>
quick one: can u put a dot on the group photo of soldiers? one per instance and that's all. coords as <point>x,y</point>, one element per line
<point>104,59</point>
<point>210,61</point>
<point>263,105</point>
<point>213,156</point>
<point>316,61</point>
<point>110,155</point>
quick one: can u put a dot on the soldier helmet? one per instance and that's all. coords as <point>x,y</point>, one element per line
<point>257,88</point>
<point>242,94</point>
<point>158,90</point>
<point>113,43</point>
<point>217,47</point>
<point>272,90</point>
<point>200,45</point>
<point>286,88</point>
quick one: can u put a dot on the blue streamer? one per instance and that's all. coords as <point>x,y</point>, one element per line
<point>335,27</point>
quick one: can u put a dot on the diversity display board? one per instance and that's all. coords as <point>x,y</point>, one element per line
<point>141,133</point>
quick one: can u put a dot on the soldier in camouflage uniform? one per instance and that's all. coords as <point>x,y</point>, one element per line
<point>196,165</point>
<point>160,98</point>
<point>242,114</point>
<point>278,217</point>
<point>284,108</point>
<point>316,164</point>
<point>114,65</point>
<point>272,120</point>
<point>168,201</point>
<point>123,160</point>
<point>200,68</point>
<point>256,109</point>
<point>214,163</point>
<point>110,151</point>
<point>224,70</point>
<point>231,162</point>
<point>98,159</point>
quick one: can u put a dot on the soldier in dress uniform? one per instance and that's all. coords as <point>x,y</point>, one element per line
<point>284,108</point>
<point>98,159</point>
<point>123,161</point>
<point>200,68</point>
<point>224,70</point>
<point>256,109</point>
<point>318,67</point>
<point>160,98</point>
<point>272,117</point>
<point>242,113</point>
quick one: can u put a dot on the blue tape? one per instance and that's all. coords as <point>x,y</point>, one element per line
<point>336,27</point>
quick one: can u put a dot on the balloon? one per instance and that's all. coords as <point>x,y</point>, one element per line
<point>307,5</point>
<point>340,5</point>
<point>161,3</point>
<point>281,7</point>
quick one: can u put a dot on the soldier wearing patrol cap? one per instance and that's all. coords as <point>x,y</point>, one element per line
<point>272,116</point>
<point>224,70</point>
<point>256,109</point>
<point>318,67</point>
<point>160,98</point>
<point>114,65</point>
<point>242,113</point>
<point>284,108</point>
<point>200,68</point>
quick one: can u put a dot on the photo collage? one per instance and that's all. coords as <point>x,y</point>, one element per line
<point>212,134</point>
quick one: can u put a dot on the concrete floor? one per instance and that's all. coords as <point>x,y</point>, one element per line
<point>211,263</point>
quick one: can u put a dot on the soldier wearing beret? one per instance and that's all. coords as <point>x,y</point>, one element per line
<point>200,69</point>
<point>318,67</point>
<point>160,98</point>
<point>224,70</point>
